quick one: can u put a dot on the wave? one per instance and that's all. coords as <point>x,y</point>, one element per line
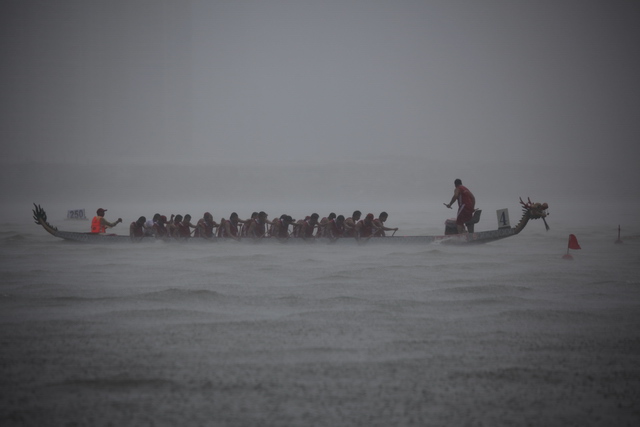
<point>118,383</point>
<point>558,318</point>
<point>11,237</point>
<point>481,288</point>
<point>345,300</point>
<point>182,295</point>
<point>337,315</point>
<point>161,315</point>
<point>340,277</point>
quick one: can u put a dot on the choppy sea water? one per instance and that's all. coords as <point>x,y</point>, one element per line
<point>506,333</point>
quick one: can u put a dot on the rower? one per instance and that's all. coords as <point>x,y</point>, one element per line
<point>185,226</point>
<point>257,228</point>
<point>307,226</point>
<point>229,227</point>
<point>205,226</point>
<point>365,227</point>
<point>172,227</point>
<point>334,228</point>
<point>149,231</point>
<point>378,223</point>
<point>159,228</point>
<point>350,224</point>
<point>246,223</point>
<point>136,229</point>
<point>280,226</point>
<point>323,222</point>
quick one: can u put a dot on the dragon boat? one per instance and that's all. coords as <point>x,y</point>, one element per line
<point>530,211</point>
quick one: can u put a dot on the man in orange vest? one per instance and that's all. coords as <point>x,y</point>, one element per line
<point>99,225</point>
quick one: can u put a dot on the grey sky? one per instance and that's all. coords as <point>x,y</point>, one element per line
<point>546,83</point>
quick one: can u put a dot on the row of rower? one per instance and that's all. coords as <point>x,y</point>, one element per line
<point>259,226</point>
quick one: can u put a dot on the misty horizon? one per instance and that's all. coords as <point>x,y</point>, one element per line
<point>390,101</point>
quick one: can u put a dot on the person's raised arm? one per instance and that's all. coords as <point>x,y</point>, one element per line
<point>454,198</point>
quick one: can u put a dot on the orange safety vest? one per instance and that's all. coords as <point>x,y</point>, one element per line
<point>96,226</point>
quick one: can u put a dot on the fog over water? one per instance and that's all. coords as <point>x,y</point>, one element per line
<point>297,100</point>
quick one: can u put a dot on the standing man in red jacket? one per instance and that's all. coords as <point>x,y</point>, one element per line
<point>466,204</point>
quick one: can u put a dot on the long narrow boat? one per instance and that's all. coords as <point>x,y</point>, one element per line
<point>529,211</point>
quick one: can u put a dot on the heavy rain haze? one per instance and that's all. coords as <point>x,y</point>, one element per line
<point>123,102</point>
<point>182,107</point>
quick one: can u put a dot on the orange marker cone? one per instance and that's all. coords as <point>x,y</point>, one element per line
<point>573,244</point>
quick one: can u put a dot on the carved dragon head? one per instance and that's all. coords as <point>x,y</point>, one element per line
<point>535,210</point>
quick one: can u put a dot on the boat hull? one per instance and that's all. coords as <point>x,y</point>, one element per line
<point>479,237</point>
